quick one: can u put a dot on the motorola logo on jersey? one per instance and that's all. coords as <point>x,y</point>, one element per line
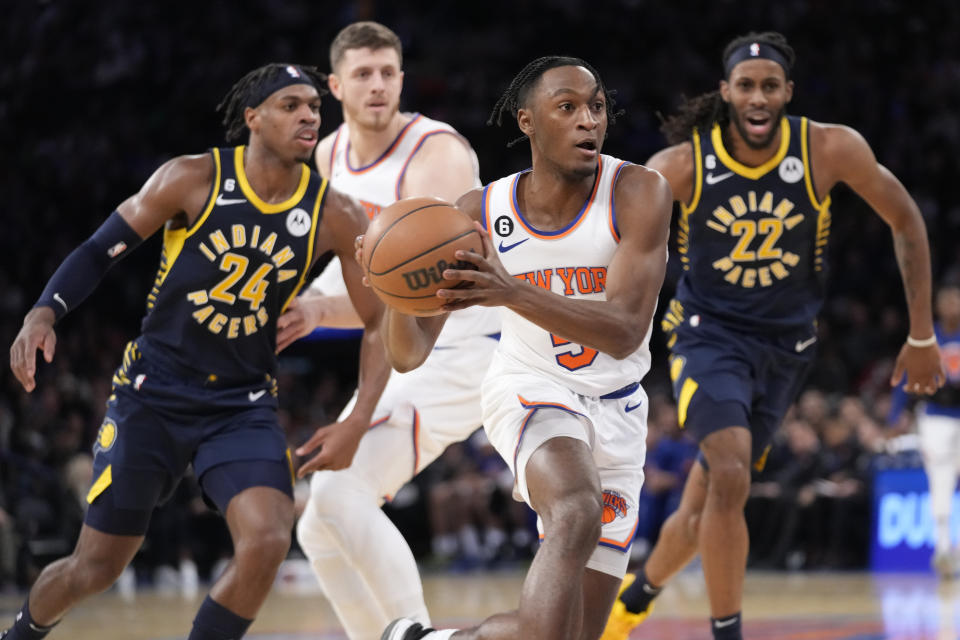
<point>298,222</point>
<point>791,169</point>
<point>420,278</point>
<point>756,257</point>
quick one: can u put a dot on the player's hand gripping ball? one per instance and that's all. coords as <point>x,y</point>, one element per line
<point>407,247</point>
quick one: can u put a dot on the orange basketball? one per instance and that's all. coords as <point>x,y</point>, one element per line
<point>608,515</point>
<point>408,246</point>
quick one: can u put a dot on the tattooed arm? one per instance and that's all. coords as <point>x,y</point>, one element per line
<point>846,157</point>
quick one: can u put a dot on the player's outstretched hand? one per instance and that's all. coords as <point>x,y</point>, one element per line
<point>337,444</point>
<point>489,284</point>
<point>36,333</point>
<point>305,313</point>
<point>358,255</point>
<point>923,368</point>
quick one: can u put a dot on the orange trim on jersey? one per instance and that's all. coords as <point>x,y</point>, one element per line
<point>523,429</point>
<point>255,200</point>
<point>607,542</point>
<point>612,218</point>
<point>559,233</point>
<point>416,441</point>
<point>526,404</point>
<point>486,207</point>
<point>416,147</point>
<point>621,546</point>
<point>333,150</point>
<point>377,423</point>
<point>386,154</point>
<point>533,408</point>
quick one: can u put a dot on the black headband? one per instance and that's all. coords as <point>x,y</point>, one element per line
<point>290,75</point>
<point>755,50</point>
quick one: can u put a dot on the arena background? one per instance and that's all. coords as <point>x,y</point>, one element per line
<point>94,96</point>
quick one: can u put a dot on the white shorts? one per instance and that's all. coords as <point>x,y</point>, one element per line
<point>939,439</point>
<point>614,429</point>
<point>420,414</point>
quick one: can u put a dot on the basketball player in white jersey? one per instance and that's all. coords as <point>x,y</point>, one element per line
<point>379,155</point>
<point>575,254</point>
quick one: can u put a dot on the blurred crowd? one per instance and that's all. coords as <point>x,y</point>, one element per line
<point>95,98</point>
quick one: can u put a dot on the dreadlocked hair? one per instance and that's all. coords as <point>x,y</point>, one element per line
<point>235,102</point>
<point>515,97</point>
<point>706,109</point>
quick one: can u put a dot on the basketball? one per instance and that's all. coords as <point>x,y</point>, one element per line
<point>408,246</point>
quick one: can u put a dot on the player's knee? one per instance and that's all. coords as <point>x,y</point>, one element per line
<point>314,533</point>
<point>93,575</point>
<point>576,516</point>
<point>729,484</point>
<point>265,545</point>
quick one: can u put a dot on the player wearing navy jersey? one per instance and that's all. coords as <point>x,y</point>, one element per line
<point>753,186</point>
<point>576,269</point>
<point>938,425</point>
<point>242,227</point>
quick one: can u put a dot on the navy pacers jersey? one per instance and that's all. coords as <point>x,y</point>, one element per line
<point>753,239</point>
<point>224,280</point>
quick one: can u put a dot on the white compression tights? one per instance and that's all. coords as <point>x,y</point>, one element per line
<point>364,565</point>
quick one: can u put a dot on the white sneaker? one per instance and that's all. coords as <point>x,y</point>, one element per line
<point>406,629</point>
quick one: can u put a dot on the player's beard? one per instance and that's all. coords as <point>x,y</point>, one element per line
<point>745,135</point>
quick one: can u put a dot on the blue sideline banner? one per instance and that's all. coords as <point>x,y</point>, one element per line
<point>902,531</point>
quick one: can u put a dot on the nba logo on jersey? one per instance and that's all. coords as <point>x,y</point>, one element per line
<point>292,70</point>
<point>754,50</point>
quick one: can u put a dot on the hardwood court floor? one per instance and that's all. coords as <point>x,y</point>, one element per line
<point>778,606</point>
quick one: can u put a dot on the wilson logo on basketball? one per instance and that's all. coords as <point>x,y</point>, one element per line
<point>421,278</point>
<point>614,506</point>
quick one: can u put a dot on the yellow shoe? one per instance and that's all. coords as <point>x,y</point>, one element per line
<point>621,622</point>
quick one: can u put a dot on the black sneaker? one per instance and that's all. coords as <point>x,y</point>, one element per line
<point>406,629</point>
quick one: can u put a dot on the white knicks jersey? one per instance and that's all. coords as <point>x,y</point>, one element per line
<point>571,262</point>
<point>377,185</point>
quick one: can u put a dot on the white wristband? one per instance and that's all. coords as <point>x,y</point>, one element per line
<point>928,342</point>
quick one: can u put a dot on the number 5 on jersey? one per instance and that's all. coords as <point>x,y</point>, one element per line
<point>571,358</point>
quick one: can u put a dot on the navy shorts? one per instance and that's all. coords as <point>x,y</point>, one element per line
<point>727,378</point>
<point>158,422</point>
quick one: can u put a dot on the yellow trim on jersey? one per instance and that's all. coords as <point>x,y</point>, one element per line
<point>683,402</point>
<point>753,173</point>
<point>761,462</point>
<point>807,171</point>
<point>697,176</point>
<point>310,245</point>
<point>174,239</point>
<point>104,481</point>
<point>266,207</point>
<point>293,474</point>
<point>191,229</point>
